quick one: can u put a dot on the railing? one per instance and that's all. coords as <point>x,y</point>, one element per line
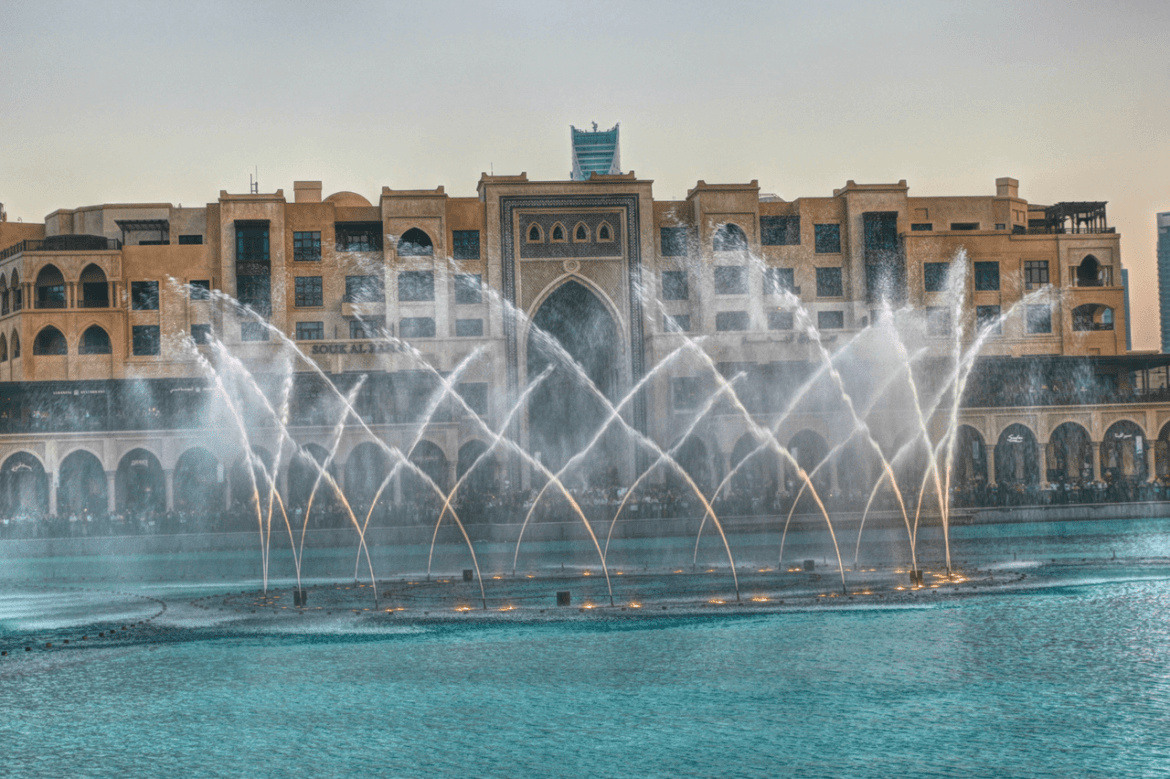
<point>1069,230</point>
<point>63,243</point>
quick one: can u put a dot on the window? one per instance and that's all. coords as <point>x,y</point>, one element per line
<point>938,321</point>
<point>255,292</point>
<point>780,230</point>
<point>468,289</point>
<point>604,233</point>
<point>95,288</point>
<point>964,225</point>
<point>674,241</point>
<point>1038,319</point>
<point>534,234</point>
<point>731,280</point>
<point>358,236</point>
<point>310,331</point>
<point>474,394</point>
<point>677,323</point>
<point>558,233</point>
<point>779,280</point>
<point>416,285</point>
<point>144,296</point>
<point>308,292</point>
<point>921,227</point>
<point>830,320</point>
<point>251,244</point>
<point>729,238</point>
<point>827,239</point>
<point>674,285</point>
<point>934,276</point>
<point>50,342</point>
<point>201,334</point>
<point>366,329</point>
<point>190,240</point>
<point>468,328</point>
<point>94,340</point>
<point>780,320</point>
<point>829,283</point>
<point>144,340</point>
<point>253,331</point>
<point>987,276</point>
<point>200,289</point>
<point>416,327</point>
<point>307,246</point>
<point>415,243</point>
<point>466,244</point>
<point>580,232</point>
<point>726,321</point>
<point>1035,273</point>
<point>988,316</point>
<point>364,289</point>
<point>1000,226</point>
<point>1092,316</point>
<point>686,392</point>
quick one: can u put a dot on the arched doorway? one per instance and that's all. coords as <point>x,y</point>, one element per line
<point>1070,455</point>
<point>50,288</point>
<point>694,459</point>
<point>81,485</point>
<point>1123,453</point>
<point>198,482</point>
<point>365,470</point>
<point>139,486</point>
<point>1089,272</point>
<point>24,486</point>
<point>484,481</point>
<point>752,477</point>
<point>575,334</point>
<point>809,449</point>
<point>429,459</point>
<point>1017,457</point>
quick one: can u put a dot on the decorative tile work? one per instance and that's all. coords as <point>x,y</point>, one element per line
<point>570,247</point>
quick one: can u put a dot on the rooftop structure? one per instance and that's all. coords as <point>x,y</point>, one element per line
<point>1163,224</point>
<point>595,152</point>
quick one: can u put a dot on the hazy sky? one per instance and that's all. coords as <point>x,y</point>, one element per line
<point>151,102</point>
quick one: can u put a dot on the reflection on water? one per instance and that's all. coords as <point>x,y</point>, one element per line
<point>1068,679</point>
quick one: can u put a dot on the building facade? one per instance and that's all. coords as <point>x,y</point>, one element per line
<point>109,315</point>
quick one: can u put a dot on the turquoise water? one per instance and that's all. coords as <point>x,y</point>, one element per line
<point>1069,677</point>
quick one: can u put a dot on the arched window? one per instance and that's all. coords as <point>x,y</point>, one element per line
<point>49,342</point>
<point>580,232</point>
<point>730,238</point>
<point>1092,316</point>
<point>95,291</point>
<point>558,233</point>
<point>15,345</point>
<point>415,243</point>
<point>534,233</point>
<point>604,232</point>
<point>3,348</point>
<point>95,340</point>
<point>50,288</point>
<point>17,294</point>
<point>1089,273</point>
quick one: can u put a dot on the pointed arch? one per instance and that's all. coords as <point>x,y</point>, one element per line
<point>95,340</point>
<point>95,288</point>
<point>581,232</point>
<point>604,233</point>
<point>415,243</point>
<point>1069,454</point>
<point>557,233</point>
<point>50,288</point>
<point>81,484</point>
<point>1088,273</point>
<point>3,347</point>
<point>534,234</point>
<point>24,485</point>
<point>50,342</point>
<point>1123,452</point>
<point>730,237</point>
<point>15,345</point>
<point>139,486</point>
<point>1017,456</point>
<point>198,480</point>
<point>17,293</point>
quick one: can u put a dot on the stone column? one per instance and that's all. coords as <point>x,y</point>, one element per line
<point>1096,460</point>
<point>1151,460</point>
<point>52,493</point>
<point>169,480</point>
<point>991,466</point>
<point>113,294</point>
<point>111,491</point>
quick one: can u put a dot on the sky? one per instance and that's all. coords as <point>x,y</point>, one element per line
<point>106,102</point>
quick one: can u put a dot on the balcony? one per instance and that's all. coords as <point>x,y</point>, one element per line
<point>63,243</point>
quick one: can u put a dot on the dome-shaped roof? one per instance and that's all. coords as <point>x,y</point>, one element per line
<point>348,200</point>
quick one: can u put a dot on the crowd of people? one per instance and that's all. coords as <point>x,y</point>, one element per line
<point>599,505</point>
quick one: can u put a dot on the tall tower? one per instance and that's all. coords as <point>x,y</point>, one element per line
<point>1164,276</point>
<point>594,151</point>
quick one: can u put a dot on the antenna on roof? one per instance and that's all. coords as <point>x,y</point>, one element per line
<point>254,183</point>
<point>595,127</point>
